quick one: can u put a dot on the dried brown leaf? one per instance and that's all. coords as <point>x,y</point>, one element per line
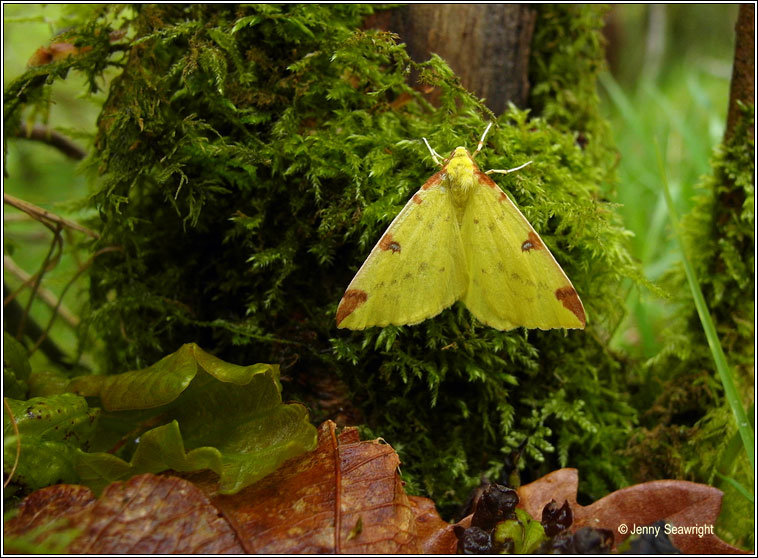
<point>435,535</point>
<point>47,505</point>
<point>346,496</point>
<point>148,514</point>
<point>679,503</point>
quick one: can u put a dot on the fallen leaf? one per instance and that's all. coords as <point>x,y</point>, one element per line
<point>148,514</point>
<point>51,431</point>
<point>346,496</point>
<point>436,536</point>
<point>211,415</point>
<point>47,505</point>
<point>560,485</point>
<point>679,503</point>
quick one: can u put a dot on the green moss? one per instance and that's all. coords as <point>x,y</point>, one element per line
<point>247,159</point>
<point>567,54</point>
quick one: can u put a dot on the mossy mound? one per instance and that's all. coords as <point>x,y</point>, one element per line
<point>248,158</point>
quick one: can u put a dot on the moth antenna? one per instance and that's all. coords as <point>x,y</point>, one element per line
<point>500,171</point>
<point>436,156</point>
<point>481,141</point>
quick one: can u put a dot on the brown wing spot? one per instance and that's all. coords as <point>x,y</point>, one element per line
<point>532,243</point>
<point>476,221</point>
<point>484,179</point>
<point>417,199</point>
<point>569,298</point>
<point>502,197</point>
<point>388,243</point>
<point>433,180</point>
<point>353,299</point>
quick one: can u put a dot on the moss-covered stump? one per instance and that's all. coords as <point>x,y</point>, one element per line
<point>248,158</point>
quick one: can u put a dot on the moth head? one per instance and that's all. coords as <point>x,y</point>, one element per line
<point>459,152</point>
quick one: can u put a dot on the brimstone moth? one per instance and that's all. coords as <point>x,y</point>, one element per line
<point>460,237</point>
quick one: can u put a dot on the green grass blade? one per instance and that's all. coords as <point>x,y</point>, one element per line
<point>725,373</point>
<point>741,489</point>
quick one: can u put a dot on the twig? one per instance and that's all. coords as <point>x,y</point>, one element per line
<point>54,139</point>
<point>51,260</point>
<point>45,216</point>
<point>81,270</point>
<point>12,314</point>
<point>47,296</point>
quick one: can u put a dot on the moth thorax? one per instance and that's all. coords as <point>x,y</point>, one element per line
<point>460,176</point>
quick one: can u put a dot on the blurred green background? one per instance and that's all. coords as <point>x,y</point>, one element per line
<point>666,89</point>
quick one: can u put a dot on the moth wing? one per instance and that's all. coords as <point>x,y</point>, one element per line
<point>416,270</point>
<point>514,280</point>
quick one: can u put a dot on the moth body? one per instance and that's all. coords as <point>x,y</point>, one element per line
<point>459,178</point>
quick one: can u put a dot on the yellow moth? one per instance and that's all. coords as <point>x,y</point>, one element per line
<point>461,238</point>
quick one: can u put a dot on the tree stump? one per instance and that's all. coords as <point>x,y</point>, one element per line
<point>487,46</point>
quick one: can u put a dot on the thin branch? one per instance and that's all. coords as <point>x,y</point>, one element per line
<point>45,216</point>
<point>81,270</point>
<point>51,260</point>
<point>54,139</point>
<point>47,296</point>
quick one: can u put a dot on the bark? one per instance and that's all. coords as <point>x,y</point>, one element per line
<point>488,46</point>
<point>743,71</point>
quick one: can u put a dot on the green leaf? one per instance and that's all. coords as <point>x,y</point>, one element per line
<point>526,533</point>
<point>150,387</point>
<point>16,368</point>
<point>159,449</point>
<point>231,419</point>
<point>510,529</point>
<point>534,532</point>
<point>44,383</point>
<point>51,429</point>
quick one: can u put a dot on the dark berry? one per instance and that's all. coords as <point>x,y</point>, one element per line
<point>497,503</point>
<point>556,518</point>
<point>474,541</point>
<point>648,543</point>
<point>563,544</point>
<point>593,541</point>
